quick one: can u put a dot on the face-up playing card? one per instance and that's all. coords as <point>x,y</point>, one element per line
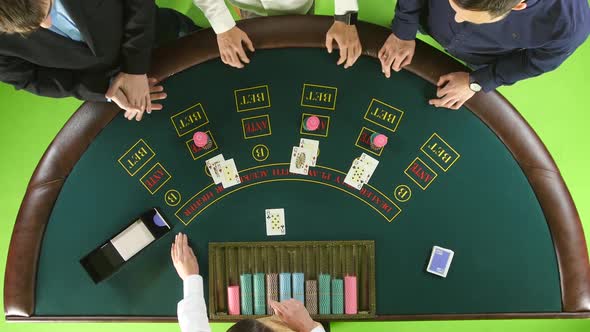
<point>356,174</point>
<point>313,146</point>
<point>211,166</point>
<point>440,261</point>
<point>361,171</point>
<point>370,165</point>
<point>275,222</point>
<point>228,173</point>
<point>300,161</point>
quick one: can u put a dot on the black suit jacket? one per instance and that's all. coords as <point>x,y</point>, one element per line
<point>118,36</point>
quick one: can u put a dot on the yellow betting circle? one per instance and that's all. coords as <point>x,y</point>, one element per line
<point>207,171</point>
<point>265,152</point>
<point>174,196</point>
<point>402,186</point>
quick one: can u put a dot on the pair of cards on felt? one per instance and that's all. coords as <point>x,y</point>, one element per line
<point>361,171</point>
<point>223,171</point>
<point>304,156</point>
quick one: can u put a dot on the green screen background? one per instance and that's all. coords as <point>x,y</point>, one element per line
<point>550,103</point>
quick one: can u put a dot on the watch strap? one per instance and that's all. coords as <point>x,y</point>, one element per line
<point>348,18</point>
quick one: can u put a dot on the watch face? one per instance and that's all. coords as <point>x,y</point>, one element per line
<point>353,18</point>
<point>475,87</point>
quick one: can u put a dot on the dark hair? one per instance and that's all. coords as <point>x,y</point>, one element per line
<point>22,16</point>
<point>249,325</point>
<point>494,7</point>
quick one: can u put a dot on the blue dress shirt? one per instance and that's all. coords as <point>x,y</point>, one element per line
<point>524,44</point>
<point>62,23</point>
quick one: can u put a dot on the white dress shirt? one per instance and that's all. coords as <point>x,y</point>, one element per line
<point>221,20</point>
<point>192,311</point>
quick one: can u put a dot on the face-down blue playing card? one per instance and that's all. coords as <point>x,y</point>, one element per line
<point>440,261</point>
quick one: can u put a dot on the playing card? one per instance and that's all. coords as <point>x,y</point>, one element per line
<point>370,165</point>
<point>440,261</point>
<point>229,173</point>
<point>356,174</point>
<point>211,165</point>
<point>300,161</point>
<point>313,146</point>
<point>275,222</point>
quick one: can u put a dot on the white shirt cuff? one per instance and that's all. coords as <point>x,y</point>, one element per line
<point>193,286</point>
<point>318,328</point>
<point>222,22</point>
<point>343,6</point>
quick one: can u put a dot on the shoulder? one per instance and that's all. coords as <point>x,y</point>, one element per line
<point>16,44</point>
<point>571,18</point>
<point>565,21</point>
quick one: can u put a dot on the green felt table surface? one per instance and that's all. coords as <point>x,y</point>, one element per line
<point>482,207</point>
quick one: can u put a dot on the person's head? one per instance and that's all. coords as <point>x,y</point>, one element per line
<point>249,325</point>
<point>24,16</point>
<point>484,11</point>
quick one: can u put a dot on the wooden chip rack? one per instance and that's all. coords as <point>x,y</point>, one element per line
<point>228,260</point>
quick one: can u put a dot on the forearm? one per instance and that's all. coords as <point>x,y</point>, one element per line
<point>517,66</point>
<point>87,88</point>
<point>138,38</point>
<point>217,14</point>
<point>192,311</point>
<point>407,18</point>
<point>53,82</point>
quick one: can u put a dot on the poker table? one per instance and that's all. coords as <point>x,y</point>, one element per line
<point>477,181</point>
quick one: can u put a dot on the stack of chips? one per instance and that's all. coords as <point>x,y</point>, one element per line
<point>378,141</point>
<point>324,294</point>
<point>311,123</point>
<point>284,286</point>
<point>233,300</point>
<point>246,288</point>
<point>298,287</point>
<point>350,307</point>
<point>337,296</point>
<point>259,296</point>
<point>272,291</point>
<point>202,140</point>
<point>311,296</point>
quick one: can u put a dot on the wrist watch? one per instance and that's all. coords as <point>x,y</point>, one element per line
<point>473,85</point>
<point>349,18</point>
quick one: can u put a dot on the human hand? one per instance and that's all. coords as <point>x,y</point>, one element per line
<point>156,93</point>
<point>294,314</point>
<point>347,38</point>
<point>231,48</point>
<point>132,112</point>
<point>452,91</point>
<point>136,89</point>
<point>396,54</point>
<point>183,257</point>
<point>120,99</point>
